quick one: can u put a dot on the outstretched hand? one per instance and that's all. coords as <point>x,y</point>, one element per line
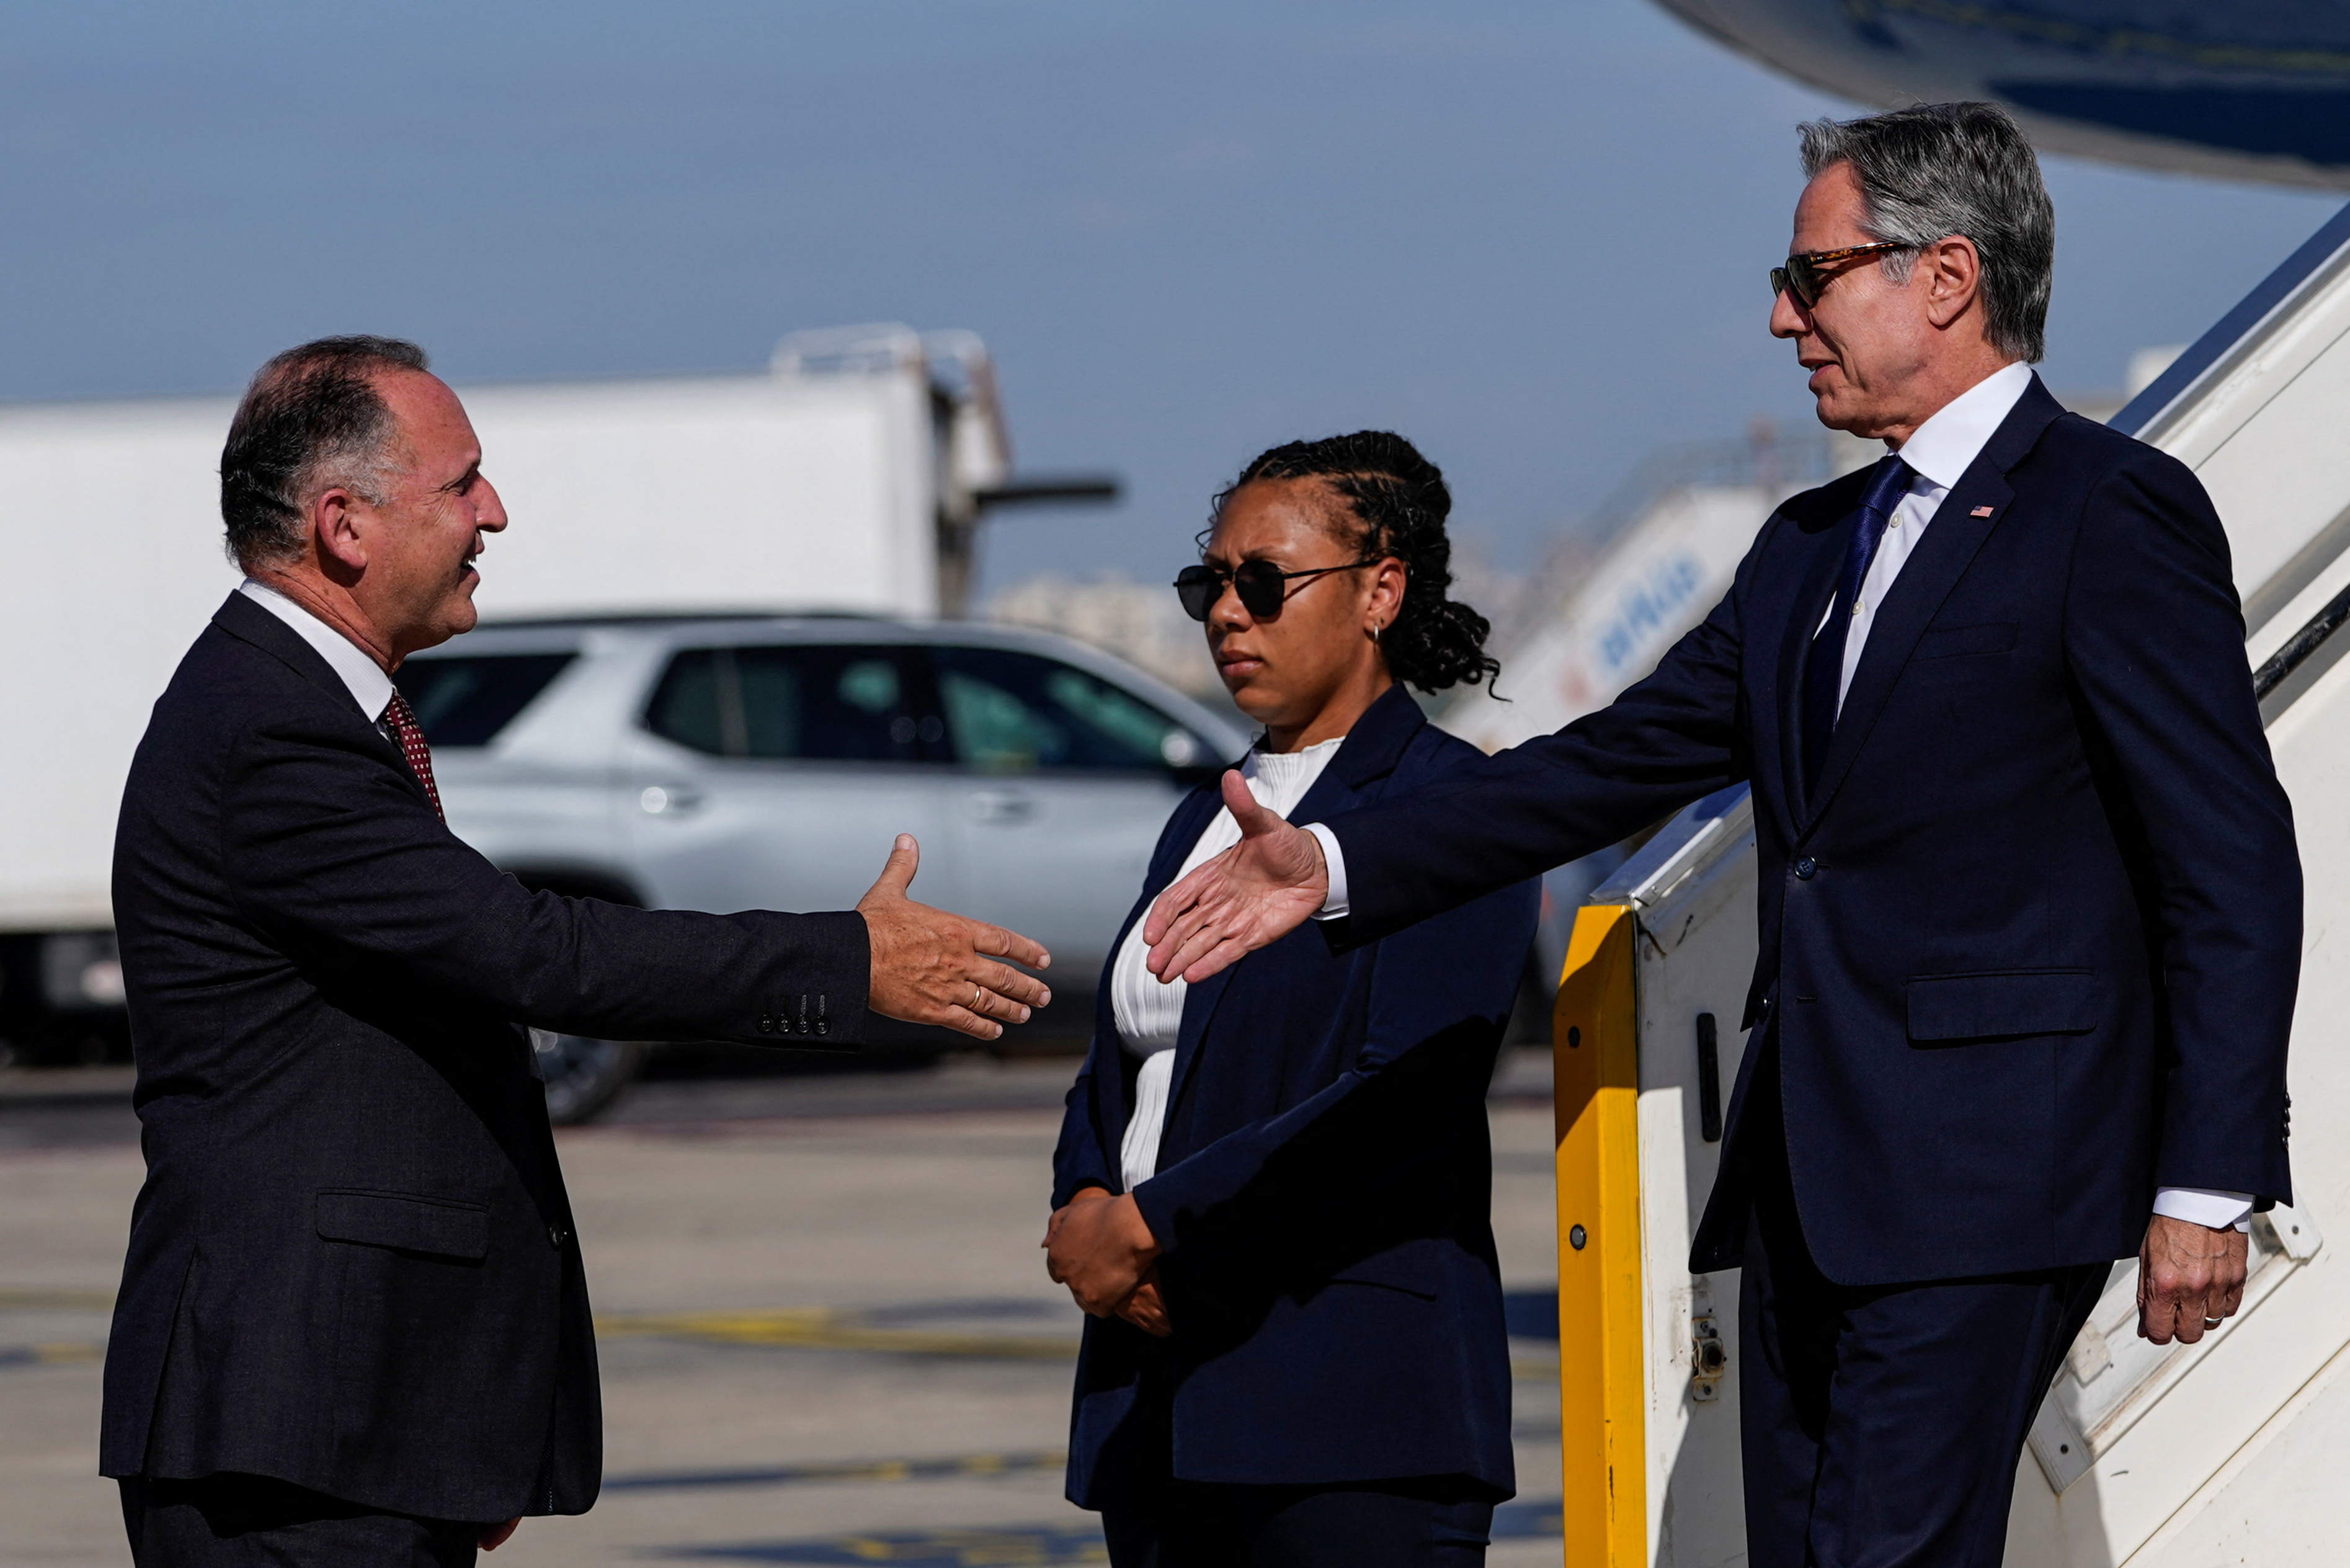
<point>1259,890</point>
<point>931,966</point>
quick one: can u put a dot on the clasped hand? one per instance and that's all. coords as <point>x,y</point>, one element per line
<point>2190,1277</point>
<point>931,966</point>
<point>1261,889</point>
<point>1100,1247</point>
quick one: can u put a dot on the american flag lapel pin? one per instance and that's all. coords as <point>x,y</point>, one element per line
<point>1980,512</point>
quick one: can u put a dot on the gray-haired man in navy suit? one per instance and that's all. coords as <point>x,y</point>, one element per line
<point>353,1328</point>
<point>2030,904</point>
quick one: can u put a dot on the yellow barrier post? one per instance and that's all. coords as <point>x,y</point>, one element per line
<point>1596,1055</point>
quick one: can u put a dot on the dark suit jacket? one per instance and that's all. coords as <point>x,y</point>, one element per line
<point>2032,945</point>
<point>352,1265</point>
<point>1324,1191</point>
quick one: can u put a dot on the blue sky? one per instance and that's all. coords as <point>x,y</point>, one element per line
<point>1530,235</point>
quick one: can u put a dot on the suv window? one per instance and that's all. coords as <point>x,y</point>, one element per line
<point>686,707</point>
<point>1014,712</point>
<point>806,701</point>
<point>465,701</point>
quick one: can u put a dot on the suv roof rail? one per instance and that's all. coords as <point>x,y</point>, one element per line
<point>661,617</point>
<point>869,348</point>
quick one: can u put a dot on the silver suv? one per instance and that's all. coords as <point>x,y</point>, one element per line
<point>723,764</point>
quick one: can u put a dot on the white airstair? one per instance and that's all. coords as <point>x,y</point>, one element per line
<point>2231,1451</point>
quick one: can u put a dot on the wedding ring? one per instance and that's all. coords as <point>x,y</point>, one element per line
<point>976,992</point>
<point>2211,1322</point>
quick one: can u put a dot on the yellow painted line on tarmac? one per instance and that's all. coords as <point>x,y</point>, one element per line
<point>821,1328</point>
<point>958,1466</point>
<point>806,1328</point>
<point>39,1300</point>
<point>1041,1546</point>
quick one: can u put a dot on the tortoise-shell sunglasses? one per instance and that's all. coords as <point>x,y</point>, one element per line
<point>1801,275</point>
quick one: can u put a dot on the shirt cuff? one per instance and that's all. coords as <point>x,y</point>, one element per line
<point>1333,861</point>
<point>2206,1207</point>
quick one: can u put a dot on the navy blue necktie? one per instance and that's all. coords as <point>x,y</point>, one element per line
<point>1823,672</point>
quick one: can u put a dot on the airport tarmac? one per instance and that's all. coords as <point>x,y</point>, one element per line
<point>827,1334</point>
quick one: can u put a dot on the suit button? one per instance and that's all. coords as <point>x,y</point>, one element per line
<point>557,1235</point>
<point>1805,868</point>
<point>767,1023</point>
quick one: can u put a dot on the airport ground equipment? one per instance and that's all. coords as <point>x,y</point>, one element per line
<point>849,476</point>
<point>2228,1451</point>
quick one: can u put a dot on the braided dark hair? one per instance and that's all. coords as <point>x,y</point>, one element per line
<point>1401,500</point>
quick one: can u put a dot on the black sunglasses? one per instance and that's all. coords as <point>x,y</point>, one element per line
<point>1260,584</point>
<point>1802,277</point>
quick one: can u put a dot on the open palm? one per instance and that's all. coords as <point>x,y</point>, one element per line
<point>1256,892</point>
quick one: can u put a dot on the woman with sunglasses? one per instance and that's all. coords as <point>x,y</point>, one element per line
<point>1273,1189</point>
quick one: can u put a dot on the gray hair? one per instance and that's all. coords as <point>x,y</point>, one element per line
<point>1944,168</point>
<point>311,421</point>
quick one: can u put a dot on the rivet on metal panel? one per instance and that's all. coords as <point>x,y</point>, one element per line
<point>1707,1359</point>
<point>1575,1238</point>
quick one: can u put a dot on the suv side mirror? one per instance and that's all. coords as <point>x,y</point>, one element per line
<point>1187,759</point>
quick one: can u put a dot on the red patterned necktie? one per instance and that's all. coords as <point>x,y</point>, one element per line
<point>409,736</point>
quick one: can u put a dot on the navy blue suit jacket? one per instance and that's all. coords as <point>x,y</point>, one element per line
<point>2032,943</point>
<point>1323,1191</point>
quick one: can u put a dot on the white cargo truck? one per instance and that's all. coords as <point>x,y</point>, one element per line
<point>849,477</point>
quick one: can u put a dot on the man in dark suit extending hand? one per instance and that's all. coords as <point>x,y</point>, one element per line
<point>353,1328</point>
<point>2030,905</point>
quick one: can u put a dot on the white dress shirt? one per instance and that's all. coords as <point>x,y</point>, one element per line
<point>1939,452</point>
<point>1150,1015</point>
<point>369,686</point>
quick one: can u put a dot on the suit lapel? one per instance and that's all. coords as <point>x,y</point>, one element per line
<point>1199,1003</point>
<point>247,622</point>
<point>1795,654</point>
<point>1975,505</point>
